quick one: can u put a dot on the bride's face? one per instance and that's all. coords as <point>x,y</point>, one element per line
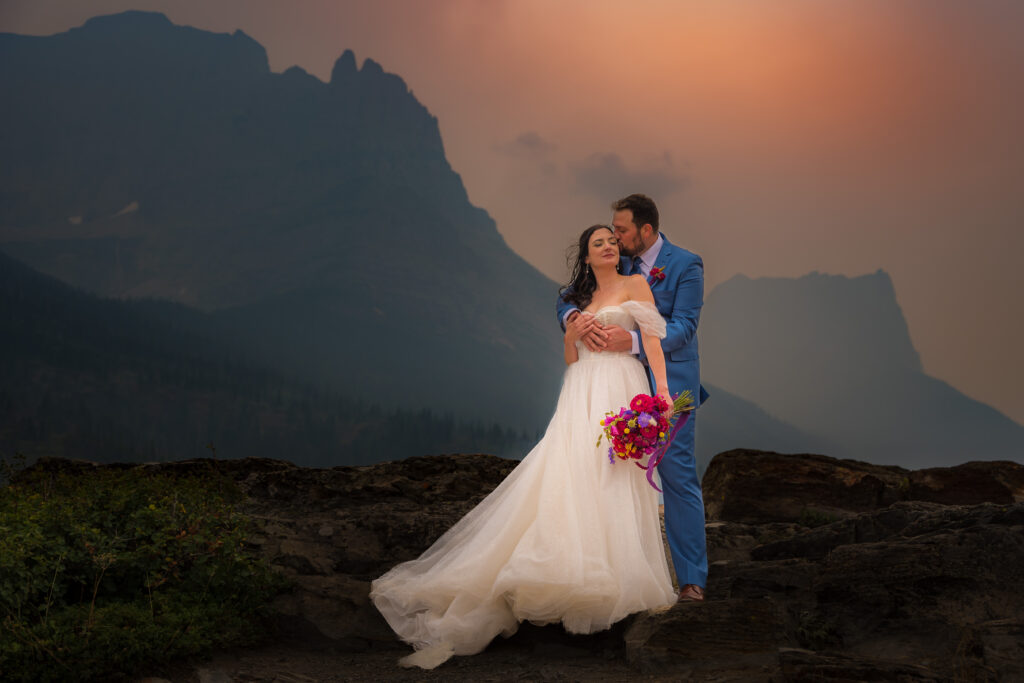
<point>603,249</point>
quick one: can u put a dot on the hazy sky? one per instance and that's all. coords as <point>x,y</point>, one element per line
<point>778,137</point>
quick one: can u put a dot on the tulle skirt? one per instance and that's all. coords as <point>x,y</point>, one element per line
<point>567,537</point>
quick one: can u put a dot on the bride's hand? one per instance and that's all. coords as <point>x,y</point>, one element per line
<point>668,399</point>
<point>579,327</point>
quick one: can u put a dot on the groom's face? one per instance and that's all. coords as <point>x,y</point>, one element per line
<point>630,240</point>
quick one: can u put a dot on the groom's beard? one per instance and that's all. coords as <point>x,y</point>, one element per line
<point>631,250</point>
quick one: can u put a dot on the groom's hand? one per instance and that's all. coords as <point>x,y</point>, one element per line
<point>617,339</point>
<point>606,337</point>
<point>595,338</point>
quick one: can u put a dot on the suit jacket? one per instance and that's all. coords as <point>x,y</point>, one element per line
<point>679,298</point>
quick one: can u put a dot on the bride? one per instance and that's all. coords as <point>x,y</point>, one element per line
<point>568,536</point>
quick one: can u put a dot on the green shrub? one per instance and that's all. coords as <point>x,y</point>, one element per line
<point>814,518</point>
<point>817,632</point>
<point>110,570</point>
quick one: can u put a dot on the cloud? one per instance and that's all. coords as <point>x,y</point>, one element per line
<point>529,144</point>
<point>606,176</point>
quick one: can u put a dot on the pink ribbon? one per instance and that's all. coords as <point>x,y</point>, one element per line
<point>655,459</point>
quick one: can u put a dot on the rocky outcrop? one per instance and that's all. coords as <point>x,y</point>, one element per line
<point>759,487</point>
<point>821,570</point>
<point>931,587</point>
<point>873,573</point>
<point>332,531</point>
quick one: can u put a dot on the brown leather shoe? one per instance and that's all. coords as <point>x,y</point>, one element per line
<point>691,593</point>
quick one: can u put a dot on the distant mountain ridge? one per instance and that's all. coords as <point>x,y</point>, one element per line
<point>832,356</point>
<point>115,381</point>
<point>320,222</point>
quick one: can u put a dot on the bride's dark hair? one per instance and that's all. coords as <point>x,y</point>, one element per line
<point>580,290</point>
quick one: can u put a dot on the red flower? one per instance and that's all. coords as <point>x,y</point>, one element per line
<point>642,403</point>
<point>657,275</point>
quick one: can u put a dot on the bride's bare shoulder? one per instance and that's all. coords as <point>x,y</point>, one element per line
<point>637,283</point>
<point>637,288</point>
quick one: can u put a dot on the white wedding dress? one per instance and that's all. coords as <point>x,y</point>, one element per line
<point>567,536</point>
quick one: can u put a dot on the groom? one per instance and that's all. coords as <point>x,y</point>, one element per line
<point>676,277</point>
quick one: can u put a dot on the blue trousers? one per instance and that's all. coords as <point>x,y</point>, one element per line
<point>684,508</point>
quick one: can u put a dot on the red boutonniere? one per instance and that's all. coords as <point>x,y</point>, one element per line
<point>657,275</point>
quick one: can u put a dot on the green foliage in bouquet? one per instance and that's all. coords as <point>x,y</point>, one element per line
<point>111,570</point>
<point>682,403</point>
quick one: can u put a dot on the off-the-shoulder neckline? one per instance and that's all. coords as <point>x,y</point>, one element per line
<point>628,301</point>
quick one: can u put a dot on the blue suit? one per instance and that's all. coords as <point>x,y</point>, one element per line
<point>679,298</point>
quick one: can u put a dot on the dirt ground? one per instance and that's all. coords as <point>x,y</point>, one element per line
<point>533,654</point>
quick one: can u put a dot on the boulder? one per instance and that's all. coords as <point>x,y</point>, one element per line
<point>758,487</point>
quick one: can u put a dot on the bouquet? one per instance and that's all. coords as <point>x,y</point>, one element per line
<point>643,429</point>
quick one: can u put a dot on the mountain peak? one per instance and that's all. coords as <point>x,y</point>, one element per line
<point>344,69</point>
<point>133,42</point>
<point>880,275</point>
<point>842,318</point>
<point>372,81</point>
<point>131,19</point>
<point>371,67</point>
<point>381,80</point>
